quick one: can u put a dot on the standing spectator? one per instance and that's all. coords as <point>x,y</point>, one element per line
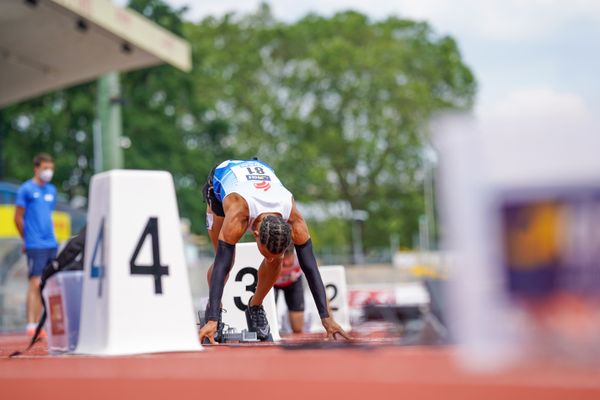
<point>36,199</point>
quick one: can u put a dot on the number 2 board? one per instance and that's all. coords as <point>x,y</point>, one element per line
<point>334,279</point>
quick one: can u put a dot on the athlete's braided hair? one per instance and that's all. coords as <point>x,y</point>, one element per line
<point>275,234</point>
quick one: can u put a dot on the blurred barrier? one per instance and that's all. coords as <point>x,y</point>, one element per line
<point>521,209</point>
<point>13,284</point>
<point>8,229</point>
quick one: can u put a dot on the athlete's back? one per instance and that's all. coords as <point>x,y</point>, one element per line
<point>256,182</point>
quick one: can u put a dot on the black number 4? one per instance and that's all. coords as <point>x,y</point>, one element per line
<point>155,269</point>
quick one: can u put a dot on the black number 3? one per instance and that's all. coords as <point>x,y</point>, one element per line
<point>156,269</point>
<point>249,288</point>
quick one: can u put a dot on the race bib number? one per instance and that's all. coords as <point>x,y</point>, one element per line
<point>255,173</point>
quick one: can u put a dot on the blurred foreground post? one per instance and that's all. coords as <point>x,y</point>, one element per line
<point>109,116</point>
<point>358,218</point>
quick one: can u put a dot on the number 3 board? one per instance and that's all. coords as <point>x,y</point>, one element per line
<point>241,285</point>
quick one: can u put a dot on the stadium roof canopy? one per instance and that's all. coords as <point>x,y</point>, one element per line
<point>51,44</point>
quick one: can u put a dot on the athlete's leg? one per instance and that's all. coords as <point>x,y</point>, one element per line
<point>296,321</point>
<point>294,298</point>
<point>267,275</point>
<point>34,301</point>
<point>215,215</point>
<point>36,261</point>
<point>214,223</point>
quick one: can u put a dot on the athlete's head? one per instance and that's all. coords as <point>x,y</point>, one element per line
<point>289,257</point>
<point>273,235</point>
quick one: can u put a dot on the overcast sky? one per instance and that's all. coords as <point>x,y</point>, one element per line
<point>539,57</point>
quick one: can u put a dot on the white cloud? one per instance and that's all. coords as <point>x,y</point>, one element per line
<point>538,101</point>
<point>493,19</point>
<point>503,19</point>
<point>537,106</point>
<point>511,45</point>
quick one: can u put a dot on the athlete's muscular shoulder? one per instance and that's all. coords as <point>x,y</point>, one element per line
<point>234,203</point>
<point>300,233</point>
<point>236,218</point>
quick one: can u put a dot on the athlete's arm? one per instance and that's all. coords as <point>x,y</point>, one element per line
<point>234,226</point>
<point>236,218</point>
<point>19,212</point>
<point>308,264</point>
<point>307,260</point>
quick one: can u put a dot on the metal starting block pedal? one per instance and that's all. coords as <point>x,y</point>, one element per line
<point>230,335</point>
<point>244,336</point>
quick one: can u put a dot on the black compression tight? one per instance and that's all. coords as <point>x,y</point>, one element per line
<point>221,268</point>
<point>308,263</point>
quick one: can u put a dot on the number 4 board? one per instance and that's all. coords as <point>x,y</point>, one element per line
<point>136,296</point>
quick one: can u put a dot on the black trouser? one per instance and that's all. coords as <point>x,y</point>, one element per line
<point>294,295</point>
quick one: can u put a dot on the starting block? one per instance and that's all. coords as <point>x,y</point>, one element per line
<point>334,279</point>
<point>230,334</point>
<point>245,336</point>
<point>241,285</point>
<point>136,295</point>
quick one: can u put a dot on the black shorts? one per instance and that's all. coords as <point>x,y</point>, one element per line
<point>209,196</point>
<point>294,295</point>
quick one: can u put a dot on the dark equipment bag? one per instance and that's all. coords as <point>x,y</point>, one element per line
<point>70,258</point>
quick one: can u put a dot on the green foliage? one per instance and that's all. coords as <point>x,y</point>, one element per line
<point>59,123</point>
<point>336,104</point>
<point>159,118</point>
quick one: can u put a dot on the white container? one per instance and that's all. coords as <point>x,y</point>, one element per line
<point>62,295</point>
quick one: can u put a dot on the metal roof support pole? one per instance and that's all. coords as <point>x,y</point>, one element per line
<point>109,115</point>
<point>4,125</point>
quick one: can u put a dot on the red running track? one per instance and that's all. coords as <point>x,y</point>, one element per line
<point>272,372</point>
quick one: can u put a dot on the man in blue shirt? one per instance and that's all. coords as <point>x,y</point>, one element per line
<point>36,199</point>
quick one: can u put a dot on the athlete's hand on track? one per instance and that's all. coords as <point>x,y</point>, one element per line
<point>333,329</point>
<point>209,330</point>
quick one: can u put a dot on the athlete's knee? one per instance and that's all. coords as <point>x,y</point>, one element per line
<point>296,321</point>
<point>34,281</point>
<point>209,273</point>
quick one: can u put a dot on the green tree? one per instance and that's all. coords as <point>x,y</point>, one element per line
<point>161,120</point>
<point>59,123</point>
<point>338,105</point>
<point>157,115</point>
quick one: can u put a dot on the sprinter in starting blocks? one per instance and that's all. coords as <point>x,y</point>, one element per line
<point>247,195</point>
<point>236,296</point>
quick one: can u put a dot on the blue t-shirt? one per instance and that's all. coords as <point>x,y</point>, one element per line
<point>38,202</point>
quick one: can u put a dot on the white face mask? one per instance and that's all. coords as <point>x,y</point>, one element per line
<point>46,175</point>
